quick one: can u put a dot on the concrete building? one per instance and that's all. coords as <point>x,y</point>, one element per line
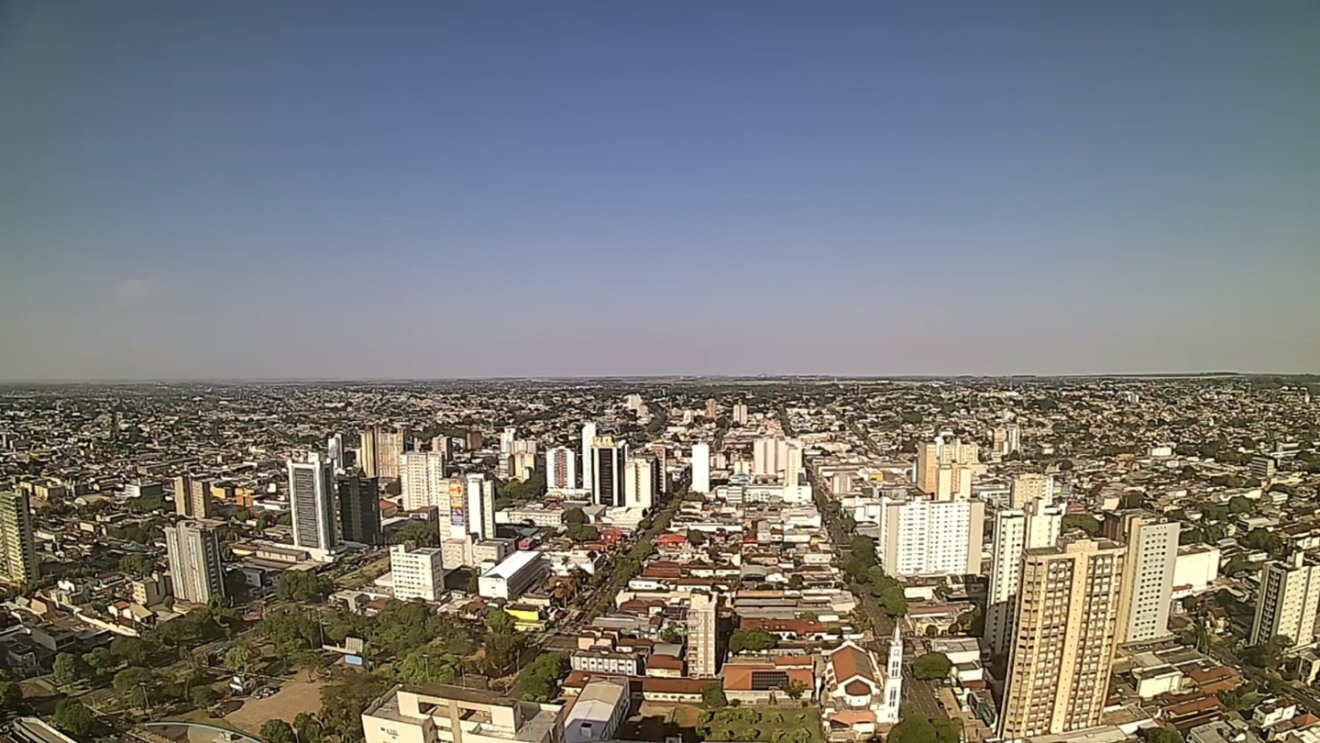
<point>1286,604</point>
<point>925,537</point>
<point>1149,567</point>
<point>1064,640</point>
<point>857,695</point>
<point>769,456</point>
<point>944,470</point>
<point>192,498</point>
<point>597,711</point>
<point>359,508</point>
<point>1263,467</point>
<point>380,452</point>
<point>1015,531</point>
<point>417,573</point>
<point>479,518</point>
<point>312,506</point>
<point>194,559</point>
<point>639,482</point>
<point>588,436</point>
<point>740,414</point>
<point>1031,487</point>
<point>700,468</point>
<point>513,577</point>
<point>608,458</point>
<point>16,543</point>
<point>422,480</point>
<point>437,713</point>
<point>560,469</point>
<point>1195,571</point>
<point>702,635</point>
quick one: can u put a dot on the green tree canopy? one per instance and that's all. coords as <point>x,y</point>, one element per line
<point>278,731</point>
<point>73,717</point>
<point>304,587</point>
<point>1084,521</point>
<point>751,640</point>
<point>932,666</point>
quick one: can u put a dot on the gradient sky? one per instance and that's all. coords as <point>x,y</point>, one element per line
<point>390,189</point>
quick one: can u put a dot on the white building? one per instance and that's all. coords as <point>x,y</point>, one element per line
<point>588,436</point>
<point>422,477</point>
<point>479,518</point>
<point>1286,604</point>
<point>639,483</point>
<point>740,414</point>
<point>513,577</point>
<point>451,714</point>
<point>700,468</point>
<point>1038,525</point>
<point>924,537</point>
<point>1195,571</point>
<point>417,573</point>
<point>560,469</point>
<point>857,695</point>
<point>312,506</point>
<point>194,557</point>
<point>702,634</point>
<point>1148,575</point>
<point>769,456</point>
<point>597,712</point>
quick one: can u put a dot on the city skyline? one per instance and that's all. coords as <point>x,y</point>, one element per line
<point>212,192</point>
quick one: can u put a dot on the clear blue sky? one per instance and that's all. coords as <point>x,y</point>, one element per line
<point>390,189</point>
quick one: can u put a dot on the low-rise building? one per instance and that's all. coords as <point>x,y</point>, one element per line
<point>450,714</point>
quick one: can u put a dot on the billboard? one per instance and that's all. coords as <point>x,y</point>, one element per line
<point>457,503</point>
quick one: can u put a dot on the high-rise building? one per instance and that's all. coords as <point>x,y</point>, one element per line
<point>607,462</point>
<point>661,453</point>
<point>334,447</point>
<point>192,498</point>
<point>1263,467</point>
<point>1031,487</point>
<point>769,456</point>
<point>359,508</point>
<point>712,409</point>
<point>418,573</point>
<point>1152,554</point>
<point>507,437</point>
<point>194,557</point>
<point>389,447</point>
<point>1014,439</point>
<point>702,634</point>
<point>480,507</point>
<point>312,505</point>
<point>792,465</point>
<point>925,537</point>
<point>700,468</point>
<point>19,549</point>
<point>639,475</point>
<point>1035,526</point>
<point>740,414</point>
<point>588,436</point>
<point>1286,604</point>
<point>367,453</point>
<point>1064,638</point>
<point>944,470</point>
<point>560,469</point>
<point>422,480</point>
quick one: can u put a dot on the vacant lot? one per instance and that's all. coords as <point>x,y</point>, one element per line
<point>298,695</point>
<point>765,724</point>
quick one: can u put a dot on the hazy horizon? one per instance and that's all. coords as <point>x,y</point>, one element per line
<point>403,190</point>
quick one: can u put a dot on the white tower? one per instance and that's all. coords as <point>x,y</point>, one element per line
<point>700,468</point>
<point>588,436</point>
<point>893,680</point>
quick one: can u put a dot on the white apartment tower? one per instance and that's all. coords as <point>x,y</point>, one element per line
<point>588,436</point>
<point>560,469</point>
<point>1037,525</point>
<point>702,631</point>
<point>422,477</point>
<point>1152,554</point>
<point>926,537</point>
<point>1289,594</point>
<point>480,507</point>
<point>769,456</point>
<point>417,573</point>
<point>1031,487</point>
<point>194,558</point>
<point>639,477</point>
<point>312,505</point>
<point>700,468</point>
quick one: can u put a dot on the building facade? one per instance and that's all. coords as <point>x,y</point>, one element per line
<point>608,458</point>
<point>1150,564</point>
<point>16,542</point>
<point>422,480</point>
<point>312,505</point>
<point>926,537</point>
<point>702,635</point>
<point>700,469</point>
<point>194,558</point>
<point>417,573</point>
<point>1036,526</point>
<point>1286,605</point>
<point>359,508</point>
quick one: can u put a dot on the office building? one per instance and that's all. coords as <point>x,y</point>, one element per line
<point>452,714</point>
<point>1029,488</point>
<point>1263,467</point>
<point>944,470</point>
<point>700,468</point>
<point>192,498</point>
<point>422,480</point>
<point>702,634</point>
<point>21,564</point>
<point>588,436</point>
<point>334,446</point>
<point>194,558</point>
<point>924,537</point>
<point>1152,557</point>
<point>607,462</point>
<point>380,452</point>
<point>661,453</point>
<point>312,505</point>
<point>1035,526</point>
<point>639,486</point>
<point>560,469</point>
<point>517,574</point>
<point>1064,639</point>
<point>417,573</point>
<point>359,508</point>
<point>1286,604</point>
<point>479,515</point>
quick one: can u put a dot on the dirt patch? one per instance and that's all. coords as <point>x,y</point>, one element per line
<point>298,695</point>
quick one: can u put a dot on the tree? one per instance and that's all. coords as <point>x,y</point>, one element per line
<point>1159,735</point>
<point>696,538</point>
<point>428,665</point>
<point>137,565</point>
<point>751,640</point>
<point>1084,521</point>
<point>344,698</point>
<point>73,717</point>
<point>712,695</point>
<point>304,587</point>
<point>1268,654</point>
<point>100,660</point>
<point>575,516</point>
<point>203,696</point>
<point>278,731</point>
<point>131,650</point>
<point>1264,540</point>
<point>539,681</point>
<point>138,686</point>
<point>796,689</point>
<point>893,601</point>
<point>420,534</point>
<point>241,658</point>
<point>11,696</point>
<point>932,666</point>
<point>924,730</point>
<point>499,621</point>
<point>237,588</point>
<point>308,728</point>
<point>1240,504</point>
<point>67,668</point>
<point>582,532</point>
